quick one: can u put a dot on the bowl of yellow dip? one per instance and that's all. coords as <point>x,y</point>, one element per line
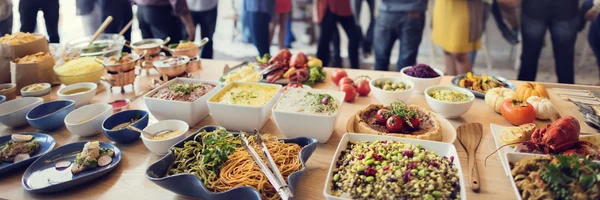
<point>449,101</point>
<point>243,106</point>
<point>83,69</point>
<point>171,132</point>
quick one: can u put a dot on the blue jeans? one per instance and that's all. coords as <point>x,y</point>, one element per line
<point>259,29</point>
<point>392,26</point>
<point>564,34</point>
<point>367,39</point>
<point>207,21</point>
<point>328,26</point>
<point>289,35</point>
<point>594,38</point>
<point>6,25</point>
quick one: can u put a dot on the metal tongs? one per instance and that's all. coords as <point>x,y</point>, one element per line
<point>271,170</point>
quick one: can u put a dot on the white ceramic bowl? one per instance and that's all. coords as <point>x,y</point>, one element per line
<point>449,109</point>
<point>422,83</point>
<point>386,97</point>
<point>240,117</point>
<point>189,112</point>
<point>161,147</point>
<point>39,93</point>
<point>87,120</point>
<point>81,98</point>
<point>440,148</point>
<point>12,113</point>
<point>294,124</point>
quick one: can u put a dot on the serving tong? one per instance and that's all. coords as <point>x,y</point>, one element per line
<point>271,171</point>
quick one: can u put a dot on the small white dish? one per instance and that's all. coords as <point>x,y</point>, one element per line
<point>81,98</point>
<point>46,90</point>
<point>386,97</point>
<point>448,109</point>
<point>87,120</point>
<point>13,113</point>
<point>162,146</point>
<point>422,83</point>
<point>440,148</point>
<point>295,124</point>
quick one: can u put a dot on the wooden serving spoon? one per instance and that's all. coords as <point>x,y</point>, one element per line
<point>469,135</point>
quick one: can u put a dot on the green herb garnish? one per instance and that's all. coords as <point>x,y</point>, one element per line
<point>184,88</point>
<point>564,172</point>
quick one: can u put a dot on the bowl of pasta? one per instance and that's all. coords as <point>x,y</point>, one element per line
<point>191,176</point>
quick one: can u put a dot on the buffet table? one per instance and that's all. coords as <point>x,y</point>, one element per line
<point>128,180</point>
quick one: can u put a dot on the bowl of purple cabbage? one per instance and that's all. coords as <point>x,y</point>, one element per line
<point>423,76</point>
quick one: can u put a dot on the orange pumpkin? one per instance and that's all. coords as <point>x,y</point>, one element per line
<point>526,90</point>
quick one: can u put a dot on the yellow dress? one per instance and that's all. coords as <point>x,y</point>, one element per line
<point>451,26</point>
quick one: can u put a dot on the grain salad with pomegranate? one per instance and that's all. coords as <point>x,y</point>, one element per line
<point>181,91</point>
<point>394,170</point>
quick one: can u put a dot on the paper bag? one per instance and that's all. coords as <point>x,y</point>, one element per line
<point>4,70</point>
<point>26,74</point>
<point>20,50</point>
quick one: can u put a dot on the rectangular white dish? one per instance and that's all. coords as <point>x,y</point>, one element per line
<point>440,148</point>
<point>296,124</point>
<point>189,112</point>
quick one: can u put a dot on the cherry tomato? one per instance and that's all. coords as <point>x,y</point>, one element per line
<point>394,124</point>
<point>345,80</point>
<point>362,87</point>
<point>382,116</point>
<point>517,112</point>
<point>337,75</point>
<point>415,123</point>
<point>350,92</point>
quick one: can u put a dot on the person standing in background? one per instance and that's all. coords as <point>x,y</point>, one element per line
<point>90,15</point>
<point>204,14</point>
<point>330,12</point>
<point>121,12</point>
<point>29,11</point>
<point>562,19</point>
<point>593,9</point>
<point>283,8</point>
<point>164,18</point>
<point>259,13</point>
<point>6,17</point>
<point>487,6</point>
<point>367,39</point>
<point>457,27</point>
<point>399,20</point>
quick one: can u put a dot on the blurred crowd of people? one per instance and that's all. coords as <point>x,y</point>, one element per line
<point>457,26</point>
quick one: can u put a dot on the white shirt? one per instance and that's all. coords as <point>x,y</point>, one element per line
<point>202,5</point>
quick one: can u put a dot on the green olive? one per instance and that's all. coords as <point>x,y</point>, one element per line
<point>394,85</point>
<point>387,87</point>
<point>370,179</point>
<point>388,82</point>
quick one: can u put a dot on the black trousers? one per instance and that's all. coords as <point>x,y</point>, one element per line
<point>158,22</point>
<point>121,12</point>
<point>207,21</point>
<point>28,10</point>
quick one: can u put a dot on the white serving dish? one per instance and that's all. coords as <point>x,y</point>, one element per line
<point>386,97</point>
<point>81,98</point>
<point>447,109</point>
<point>320,127</point>
<point>39,93</point>
<point>87,120</point>
<point>190,112</point>
<point>440,148</point>
<point>161,147</point>
<point>240,117</point>
<point>12,113</point>
<point>514,157</point>
<point>422,83</point>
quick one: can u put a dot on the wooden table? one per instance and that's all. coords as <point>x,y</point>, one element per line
<point>128,180</point>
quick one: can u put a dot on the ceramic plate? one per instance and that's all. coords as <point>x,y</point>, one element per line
<point>43,177</point>
<point>190,185</point>
<point>448,130</point>
<point>479,94</point>
<point>46,144</point>
<point>440,148</point>
<point>496,130</point>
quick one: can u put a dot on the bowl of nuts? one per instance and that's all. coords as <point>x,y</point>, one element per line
<point>390,89</point>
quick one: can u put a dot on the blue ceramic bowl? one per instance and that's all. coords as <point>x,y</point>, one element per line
<point>46,144</point>
<point>44,168</point>
<point>124,135</point>
<point>51,115</point>
<point>2,98</point>
<point>190,185</point>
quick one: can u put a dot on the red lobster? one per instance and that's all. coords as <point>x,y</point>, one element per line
<point>560,137</point>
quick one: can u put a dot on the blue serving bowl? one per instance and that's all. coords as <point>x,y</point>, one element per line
<point>51,115</point>
<point>2,98</point>
<point>124,135</point>
<point>190,185</point>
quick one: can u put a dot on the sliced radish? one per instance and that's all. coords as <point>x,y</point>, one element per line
<point>21,157</point>
<point>62,164</point>
<point>21,138</point>
<point>104,160</point>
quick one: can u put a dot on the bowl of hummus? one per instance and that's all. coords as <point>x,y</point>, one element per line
<point>243,106</point>
<point>449,101</point>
